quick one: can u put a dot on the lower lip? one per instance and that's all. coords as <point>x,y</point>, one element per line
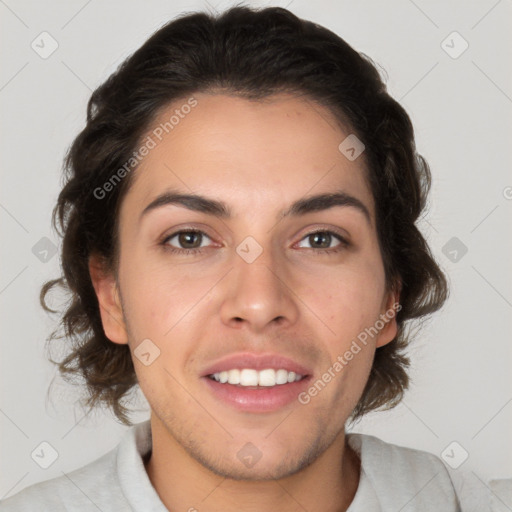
<point>257,399</point>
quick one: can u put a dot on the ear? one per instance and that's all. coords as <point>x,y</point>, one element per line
<point>107,292</point>
<point>391,306</point>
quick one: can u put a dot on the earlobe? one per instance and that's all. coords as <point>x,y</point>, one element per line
<point>107,293</point>
<point>391,309</point>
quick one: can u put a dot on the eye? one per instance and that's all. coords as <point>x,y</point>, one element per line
<point>323,241</point>
<point>192,241</point>
<point>185,241</point>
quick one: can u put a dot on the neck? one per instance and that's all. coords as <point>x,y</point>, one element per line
<point>328,484</point>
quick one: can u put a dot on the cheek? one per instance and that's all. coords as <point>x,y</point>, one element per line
<point>350,298</point>
<point>163,307</point>
<point>162,300</point>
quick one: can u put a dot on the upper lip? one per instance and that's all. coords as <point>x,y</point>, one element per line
<point>254,361</point>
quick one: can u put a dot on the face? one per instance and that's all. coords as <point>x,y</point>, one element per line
<point>252,281</point>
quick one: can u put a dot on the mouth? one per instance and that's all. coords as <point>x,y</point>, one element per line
<point>256,383</point>
<point>248,377</point>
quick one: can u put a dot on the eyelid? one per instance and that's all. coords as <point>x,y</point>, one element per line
<point>165,239</point>
<point>343,235</point>
<point>196,228</point>
<point>343,242</point>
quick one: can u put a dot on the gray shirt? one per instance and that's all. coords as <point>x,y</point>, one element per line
<point>392,478</point>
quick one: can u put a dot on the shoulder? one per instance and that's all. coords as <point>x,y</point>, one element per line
<point>88,488</point>
<point>410,478</point>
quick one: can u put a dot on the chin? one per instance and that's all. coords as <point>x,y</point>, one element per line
<point>249,463</point>
<point>260,472</point>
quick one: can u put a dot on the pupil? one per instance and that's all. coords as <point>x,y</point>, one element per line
<point>187,238</point>
<point>318,237</point>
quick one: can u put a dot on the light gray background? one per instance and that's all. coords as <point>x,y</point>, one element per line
<point>461,109</point>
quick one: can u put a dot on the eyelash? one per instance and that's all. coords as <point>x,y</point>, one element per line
<point>200,250</point>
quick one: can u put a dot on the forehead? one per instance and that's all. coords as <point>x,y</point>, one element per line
<point>250,153</point>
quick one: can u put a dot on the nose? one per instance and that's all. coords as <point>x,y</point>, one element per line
<point>257,295</point>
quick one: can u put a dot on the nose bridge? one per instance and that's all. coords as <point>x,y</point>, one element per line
<point>260,274</point>
<point>257,293</point>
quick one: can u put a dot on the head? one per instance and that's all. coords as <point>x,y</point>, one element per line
<point>211,208</point>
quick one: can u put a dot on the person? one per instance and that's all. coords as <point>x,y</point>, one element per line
<point>240,241</point>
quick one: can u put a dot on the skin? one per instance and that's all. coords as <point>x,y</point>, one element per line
<point>294,299</point>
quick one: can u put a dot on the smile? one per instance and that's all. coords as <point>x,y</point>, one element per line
<point>268,377</point>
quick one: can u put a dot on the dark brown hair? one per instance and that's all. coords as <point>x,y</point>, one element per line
<point>252,54</point>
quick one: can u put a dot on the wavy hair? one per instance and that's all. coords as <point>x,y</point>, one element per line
<point>250,53</point>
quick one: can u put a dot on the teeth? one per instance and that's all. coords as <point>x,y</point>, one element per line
<point>233,377</point>
<point>249,377</point>
<point>267,378</point>
<point>281,377</point>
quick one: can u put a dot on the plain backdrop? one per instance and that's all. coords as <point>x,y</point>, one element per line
<point>460,104</point>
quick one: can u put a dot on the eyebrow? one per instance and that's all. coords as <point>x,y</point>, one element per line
<point>221,210</point>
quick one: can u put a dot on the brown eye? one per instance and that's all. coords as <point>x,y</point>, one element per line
<point>320,240</point>
<point>190,239</point>
<point>186,240</point>
<point>323,240</point>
